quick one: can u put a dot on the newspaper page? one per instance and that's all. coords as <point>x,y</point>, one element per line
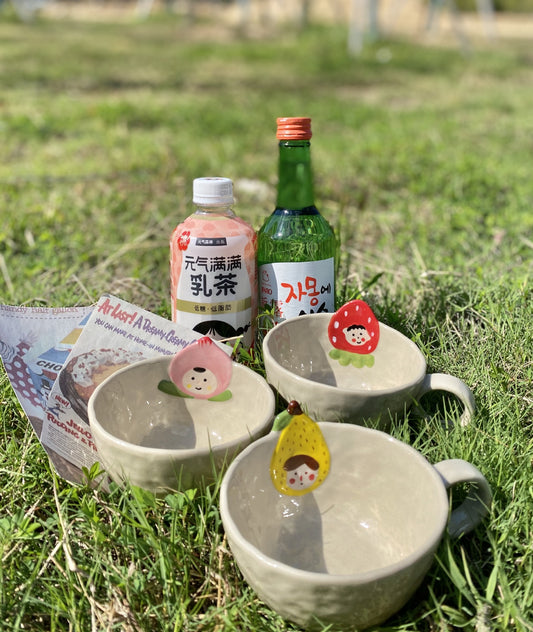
<point>116,335</point>
<point>35,343</point>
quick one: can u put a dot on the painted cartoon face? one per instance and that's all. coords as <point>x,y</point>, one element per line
<point>301,471</point>
<point>301,478</point>
<point>354,328</point>
<point>199,381</point>
<point>202,360</point>
<point>356,335</point>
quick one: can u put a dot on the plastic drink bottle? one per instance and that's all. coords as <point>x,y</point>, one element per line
<point>213,271</point>
<point>296,246</point>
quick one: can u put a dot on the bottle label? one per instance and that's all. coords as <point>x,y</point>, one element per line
<point>297,288</point>
<point>213,294</point>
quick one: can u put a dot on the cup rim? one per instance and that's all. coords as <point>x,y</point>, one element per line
<point>320,578</point>
<point>134,448</point>
<point>329,388</point>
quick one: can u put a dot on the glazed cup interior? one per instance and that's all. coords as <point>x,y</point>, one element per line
<point>381,505</point>
<point>300,347</point>
<point>130,408</point>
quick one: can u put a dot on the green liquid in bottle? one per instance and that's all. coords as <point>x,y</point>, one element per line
<point>295,235</point>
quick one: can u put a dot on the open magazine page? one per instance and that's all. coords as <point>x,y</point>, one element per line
<point>116,335</point>
<point>35,342</point>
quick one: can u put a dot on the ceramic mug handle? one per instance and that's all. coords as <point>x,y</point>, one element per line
<point>451,384</point>
<point>475,507</point>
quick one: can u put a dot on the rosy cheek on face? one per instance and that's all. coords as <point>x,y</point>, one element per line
<point>311,477</point>
<point>292,481</point>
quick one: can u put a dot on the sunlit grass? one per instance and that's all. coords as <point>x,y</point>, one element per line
<point>422,164</point>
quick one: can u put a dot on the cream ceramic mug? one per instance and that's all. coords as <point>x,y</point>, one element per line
<point>299,366</point>
<point>162,442</point>
<point>353,551</point>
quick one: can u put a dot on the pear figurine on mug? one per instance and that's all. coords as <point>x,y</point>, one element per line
<point>300,461</point>
<point>354,333</point>
<point>201,370</point>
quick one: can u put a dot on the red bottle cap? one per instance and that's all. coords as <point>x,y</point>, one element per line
<point>294,128</point>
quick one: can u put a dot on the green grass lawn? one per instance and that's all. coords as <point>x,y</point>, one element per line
<point>422,160</point>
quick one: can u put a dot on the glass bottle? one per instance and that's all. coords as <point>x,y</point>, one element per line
<point>296,246</point>
<point>213,273</point>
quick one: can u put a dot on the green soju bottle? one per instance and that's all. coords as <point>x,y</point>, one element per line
<point>296,245</point>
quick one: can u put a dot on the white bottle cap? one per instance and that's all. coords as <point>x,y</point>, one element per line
<point>212,191</point>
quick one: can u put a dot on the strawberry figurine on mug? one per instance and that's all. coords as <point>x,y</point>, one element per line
<point>354,333</point>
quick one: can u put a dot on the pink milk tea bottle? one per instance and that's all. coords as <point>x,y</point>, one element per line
<point>213,271</point>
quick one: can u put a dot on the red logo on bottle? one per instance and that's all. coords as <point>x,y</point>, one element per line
<point>184,240</point>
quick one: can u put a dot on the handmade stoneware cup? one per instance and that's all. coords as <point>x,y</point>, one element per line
<point>354,550</point>
<point>299,366</point>
<point>160,441</point>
